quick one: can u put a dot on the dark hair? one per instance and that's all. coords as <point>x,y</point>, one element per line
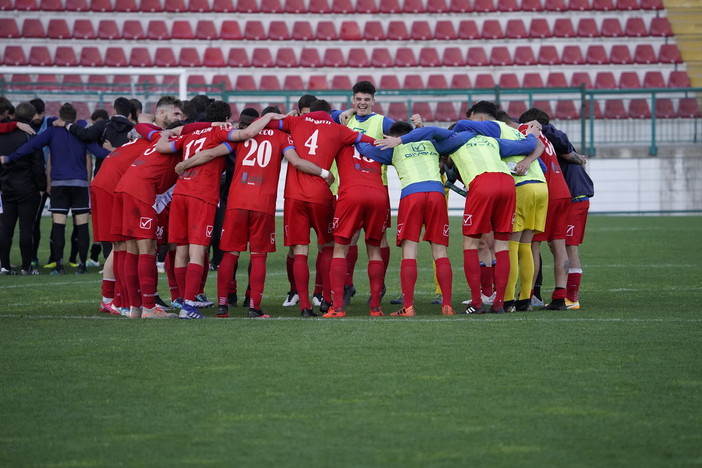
<point>535,114</point>
<point>25,112</point>
<point>67,112</point>
<point>201,102</point>
<point>38,105</point>
<point>271,110</point>
<point>218,111</point>
<point>247,116</point>
<point>320,105</point>
<point>169,101</point>
<point>189,108</point>
<point>99,114</point>
<point>305,101</point>
<point>5,105</point>
<point>483,107</point>
<point>365,87</point>
<point>135,109</point>
<point>503,116</point>
<point>399,128</point>
<point>122,106</point>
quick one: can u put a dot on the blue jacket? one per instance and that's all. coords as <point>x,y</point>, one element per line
<point>579,182</point>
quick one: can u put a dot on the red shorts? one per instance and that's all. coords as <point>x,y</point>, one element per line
<point>191,221</point>
<point>301,216</point>
<point>367,208</point>
<point>138,219</point>
<point>556,220</point>
<point>426,209</point>
<point>577,218</point>
<point>242,227</point>
<point>162,228</point>
<point>101,211</point>
<point>490,204</point>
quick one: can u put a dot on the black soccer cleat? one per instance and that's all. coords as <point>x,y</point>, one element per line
<point>308,313</point>
<point>222,312</point>
<point>232,300</point>
<point>556,304</point>
<point>509,307</point>
<point>523,305</point>
<point>472,310</point>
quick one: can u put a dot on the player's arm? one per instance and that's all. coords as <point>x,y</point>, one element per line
<point>35,143</point>
<point>306,166</point>
<point>487,128</point>
<point>10,127</point>
<point>84,134</point>
<point>148,130</point>
<point>203,157</point>
<point>97,150</point>
<point>573,158</point>
<point>418,134</point>
<point>255,127</point>
<point>383,156</point>
<point>522,167</point>
<point>165,145</point>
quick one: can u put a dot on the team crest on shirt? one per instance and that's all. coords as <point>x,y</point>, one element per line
<point>272,238</point>
<point>208,231</point>
<point>467,219</point>
<point>335,224</point>
<point>400,227</point>
<point>331,227</point>
<point>570,230</point>
<point>446,230</point>
<point>145,223</point>
<point>159,232</point>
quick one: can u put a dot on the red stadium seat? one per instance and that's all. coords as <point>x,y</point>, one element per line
<point>509,80</point>
<point>625,5</point>
<point>587,27</point>
<point>639,109</point>
<point>285,58</point>
<point>140,57</point>
<point>26,5</point>
<point>437,82</point>
<point>565,110</point>
<point>548,55</point>
<point>58,29</point>
<point>350,31</point>
<point>269,83</point>
<point>605,80</point>
<point>436,6</point>
<point>484,80</point>
<point>148,6</point>
<point>157,30</point>
<point>115,57</point>
<point>75,83</point>
<point>254,105</point>
<point>516,108</point>
<point>124,82</point>
<point>213,57</point>
<point>429,57</point>
<point>476,57</point>
<point>245,83</point>
<point>32,28</point>
<point>500,57</point>
<point>446,112</point>
<point>253,31</point>
<point>629,80</point>
<point>319,7</point>
<point>341,82</point>
<point>653,79</point>
<point>423,109</point>
<point>293,82</point>
<point>538,29</point>
<point>453,57</point>
<point>404,57</point>
<point>397,111</point>
<point>515,29</point>
<point>317,82</point>
<point>580,78</point>
<point>309,57</point>
<point>125,6</point>
<point>523,55</point>
<point>678,79</point>
<point>421,31</point>
<point>342,6</point>
<point>389,6</point>
<point>181,29</point>
<point>460,6</point>
<point>596,55</point>
<point>689,109</point>
<point>491,30</point>
<point>39,56</point>
<point>9,28</point>
<point>413,6</point>
<point>366,6</point>
<point>262,58</point>
<point>164,57</point>
<point>76,5</point>
<point>108,30</point>
<point>175,6</point>
<point>620,55</point>
<point>603,5</point>
<point>572,55</point>
<point>189,57</point>
<point>389,82</point>
<point>660,27</point>
<point>444,31</point>
<point>101,5</point>
<point>543,105</point>
<point>83,29</point>
<point>231,31</point>
<point>413,82</point>
<point>199,6</point>
<point>532,5</point>
<point>358,58</point>
<point>611,27</point>
<point>555,5</point>
<point>532,80</point>
<point>89,57</point>
<point>594,108</point>
<point>468,29</point>
<point>223,6</point>
<point>507,5</point>
<point>380,58</point>
<point>397,31</point>
<point>65,57</point>
<point>326,31</point>
<point>461,81</point>
<point>669,53</point>
<point>269,6</point>
<point>333,58</point>
<point>205,30</point>
<point>644,53</point>
<point>484,6</point>
<point>132,30</point>
<point>556,80</point>
<point>302,31</point>
<point>665,109</point>
<point>635,27</point>
<point>563,27</point>
<point>278,31</point>
<point>24,78</point>
<point>373,31</point>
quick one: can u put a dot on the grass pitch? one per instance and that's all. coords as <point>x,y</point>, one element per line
<point>617,383</point>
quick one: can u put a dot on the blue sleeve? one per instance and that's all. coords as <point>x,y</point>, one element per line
<point>34,143</point>
<point>228,146</point>
<point>387,123</point>
<point>543,165</point>
<point>453,142</point>
<point>516,147</point>
<point>426,133</point>
<point>335,115</point>
<point>98,150</point>
<point>375,153</point>
<point>487,128</point>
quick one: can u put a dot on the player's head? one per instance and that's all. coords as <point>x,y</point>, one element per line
<point>135,109</point>
<point>218,111</point>
<point>399,128</point>
<point>41,111</point>
<point>482,110</point>
<point>271,110</point>
<point>247,116</point>
<point>99,114</point>
<point>201,102</point>
<point>535,114</point>
<point>363,97</point>
<point>503,116</point>
<point>122,106</point>
<point>67,112</point>
<point>303,104</point>
<point>320,105</point>
<point>169,109</point>
<point>25,112</point>
<point>5,107</point>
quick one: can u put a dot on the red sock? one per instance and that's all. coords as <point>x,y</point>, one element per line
<point>170,274</point>
<point>573,286</point>
<point>351,259</point>
<point>148,279</point>
<point>408,279</point>
<point>501,270</point>
<point>385,255</point>
<point>193,277</point>
<point>485,279</point>
<point>473,270</point>
<point>318,279</point>
<point>337,274</point>
<point>108,288</point>
<point>325,265</point>
<point>180,274</point>
<point>302,279</point>
<point>203,278</point>
<point>444,276</point>
<point>131,277</point>
<point>289,262</point>
<point>376,278</point>
<point>257,279</point>
<point>224,276</point>
<point>117,271</point>
<point>558,293</point>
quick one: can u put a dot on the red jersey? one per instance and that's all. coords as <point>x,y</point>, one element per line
<point>256,170</point>
<point>202,181</point>
<point>117,163</point>
<point>557,186</point>
<point>356,170</point>
<point>317,139</point>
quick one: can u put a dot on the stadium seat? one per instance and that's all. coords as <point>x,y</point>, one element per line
<point>484,6</point>
<point>302,31</point>
<point>317,82</point>
<point>140,57</point>
<point>174,6</point>
<point>579,79</point>
<point>605,80</point>
<point>245,83</point>
<point>397,111</point>
<point>269,6</point>
<point>181,29</point>
<point>189,57</point>
<point>669,53</point>
<point>254,105</point>
<point>429,57</point>
<point>58,29</point>
<point>556,80</point>
<point>523,55</point>
<point>620,55</point>
<point>653,79</point>
<point>108,30</point>
<point>25,79</point>
<point>83,29</point>
<point>437,81</point>
<point>500,57</point>
<point>125,6</point>
<point>132,30</point>
<point>76,5</point>
<point>199,6</point>
<point>468,30</point>
<point>446,112</point>
<point>231,31</point>
<point>213,57</point>
<point>453,57</point>
<point>460,6</point>
<point>635,27</point>
<point>476,57</point>
<point>269,83</point>
<point>444,31</point>
<point>380,58</point>
<point>333,58</point>
<point>563,27</point>
<point>555,5</point>
<point>75,83</point>
<point>358,58</point>
<point>309,57</point>
<point>459,81</point>
<point>603,5</point>
<point>148,6</point>
<point>285,58</point>
<point>515,108</point>
<point>538,29</point>
<point>65,57</point>
<point>423,109</point>
<point>150,80</point>
<point>389,6</point>
<point>587,27</point>
<point>326,31</point>
<point>342,7</point>
<point>596,55</point>
<point>639,109</point>
<point>572,55</point>
<point>532,5</point>
<point>26,5</point>
<point>397,31</point>
<point>436,6</point>
<point>39,56</point>
<point>507,6</point>
<point>9,28</point>
<point>629,80</point>
<point>509,80</point>
<point>689,109</point>
<point>101,5</point>
<point>157,30</point>
<point>253,31</point>
<point>579,5</point>
<point>484,80</point>
<point>319,7</point>
<point>205,30</point>
<point>532,80</point>
<point>404,57</point>
<point>515,29</point>
<point>293,82</point>
<point>341,82</point>
<point>389,82</point>
<point>413,6</point>
<point>491,30</point>
<point>548,55</point>
<point>660,27</point>
<point>349,31</point>
<point>223,6</point>
<point>614,109</point>
<point>594,108</point>
<point>115,57</point>
<point>366,6</point>
<point>665,109</point>
<point>543,105</point>
<point>373,31</point>
<point>565,110</point>
<point>624,5</point>
<point>89,57</point>
<point>644,53</point>
<point>223,81</point>
<point>611,27</point>
<point>678,79</point>
<point>421,31</point>
<point>261,58</point>
<point>413,82</point>
<point>32,28</point>
<point>164,57</point>
<point>122,83</point>
<point>278,31</point>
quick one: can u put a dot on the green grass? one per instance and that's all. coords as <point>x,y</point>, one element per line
<point>618,383</point>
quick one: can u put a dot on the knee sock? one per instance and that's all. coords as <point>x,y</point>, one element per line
<point>302,280</point>
<point>131,277</point>
<point>486,279</point>
<point>559,293</point>
<point>351,259</point>
<point>117,271</point>
<point>180,275</point>
<point>573,284</point>
<point>203,278</point>
<point>385,255</point>
<point>539,279</point>
<point>108,289</point>
<point>257,279</point>
<point>58,241</point>
<point>337,273</point>
<point>83,242</point>
<point>225,272</point>
<point>193,280</point>
<point>289,262</point>
<point>318,278</point>
<point>148,279</point>
<point>473,272</point>
<point>170,274</point>
<point>408,279</point>
<point>444,276</point>
<point>376,278</point>
<point>510,292</point>
<point>324,265</point>
<point>502,271</point>
<point>526,270</point>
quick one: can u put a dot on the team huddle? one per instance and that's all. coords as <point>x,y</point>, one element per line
<point>524,184</point>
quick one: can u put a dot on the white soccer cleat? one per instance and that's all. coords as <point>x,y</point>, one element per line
<point>156,313</point>
<point>292,299</point>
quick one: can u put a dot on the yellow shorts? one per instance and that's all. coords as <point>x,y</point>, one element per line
<point>532,206</point>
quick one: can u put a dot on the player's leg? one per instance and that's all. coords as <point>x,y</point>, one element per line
<point>131,277</point>
<point>376,278</point>
<point>147,271</point>
<point>225,273</point>
<point>292,298</point>
<point>472,270</point>
<point>526,271</point>
<point>560,268</point>
<point>575,234</point>
<point>296,231</point>
<point>351,259</point>
<point>486,252</point>
<point>408,276</point>
<point>444,276</point>
<point>337,277</point>
<point>58,238</point>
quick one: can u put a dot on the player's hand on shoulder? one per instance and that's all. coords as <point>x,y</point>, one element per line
<point>26,128</point>
<point>521,168</point>
<point>345,116</point>
<point>388,142</point>
<point>108,146</point>
<point>417,121</point>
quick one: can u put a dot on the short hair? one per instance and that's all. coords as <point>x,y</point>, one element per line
<point>535,114</point>
<point>189,108</point>
<point>365,87</point>
<point>201,102</point>
<point>67,112</point>
<point>399,128</point>
<point>320,105</point>
<point>305,101</point>
<point>483,107</point>
<point>271,110</point>
<point>99,114</point>
<point>218,111</point>
<point>25,112</point>
<point>5,105</point>
<point>247,116</point>
<point>38,105</point>
<point>169,101</point>
<point>122,106</point>
<point>135,108</point>
<point>503,116</point>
